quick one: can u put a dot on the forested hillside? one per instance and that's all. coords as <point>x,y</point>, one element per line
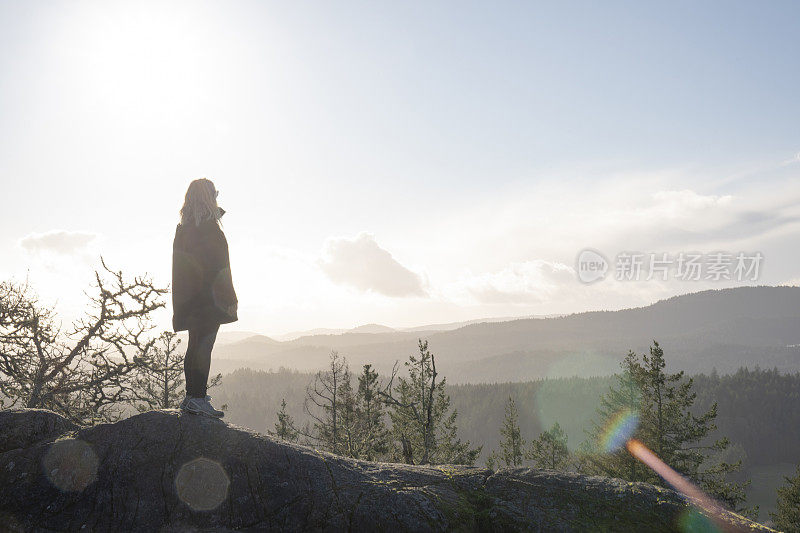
<point>757,411</point>
<point>715,329</point>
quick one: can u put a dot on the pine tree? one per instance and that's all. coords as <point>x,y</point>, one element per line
<point>348,434</point>
<point>158,382</point>
<point>346,421</point>
<point>550,449</point>
<point>492,460</point>
<point>619,403</point>
<point>373,435</point>
<point>450,449</point>
<point>659,404</point>
<point>421,426</point>
<point>787,515</point>
<point>284,427</point>
<point>512,445</point>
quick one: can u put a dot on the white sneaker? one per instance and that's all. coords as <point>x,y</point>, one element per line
<point>186,398</point>
<point>201,406</point>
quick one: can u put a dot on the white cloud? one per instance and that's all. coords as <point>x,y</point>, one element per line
<point>359,262</point>
<point>544,287</point>
<point>677,204</point>
<point>792,160</point>
<point>554,221</point>
<point>527,282</point>
<point>57,241</point>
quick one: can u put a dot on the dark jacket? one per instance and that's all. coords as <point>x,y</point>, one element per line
<point>202,288</point>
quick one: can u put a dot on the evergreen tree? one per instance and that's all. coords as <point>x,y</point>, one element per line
<point>512,445</point>
<point>550,449</point>
<point>618,404</point>
<point>449,448</point>
<point>787,515</point>
<point>349,442</point>
<point>373,435</point>
<point>661,410</point>
<point>158,382</point>
<point>284,427</point>
<point>421,426</point>
<point>492,460</point>
<point>346,421</point>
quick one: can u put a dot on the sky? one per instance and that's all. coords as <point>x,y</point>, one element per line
<point>400,163</point>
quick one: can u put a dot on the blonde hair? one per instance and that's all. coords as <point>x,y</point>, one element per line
<point>200,203</point>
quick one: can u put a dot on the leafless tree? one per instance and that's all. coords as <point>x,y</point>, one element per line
<point>324,404</point>
<point>84,372</point>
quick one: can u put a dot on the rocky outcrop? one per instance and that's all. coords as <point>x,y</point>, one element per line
<point>20,428</point>
<point>165,471</point>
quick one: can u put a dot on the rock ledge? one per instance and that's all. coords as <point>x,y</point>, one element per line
<point>165,471</point>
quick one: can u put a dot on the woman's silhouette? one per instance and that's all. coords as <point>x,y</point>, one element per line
<point>202,289</point>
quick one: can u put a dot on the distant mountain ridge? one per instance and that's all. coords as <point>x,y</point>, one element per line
<point>379,328</point>
<point>372,328</point>
<point>722,329</point>
<point>223,337</point>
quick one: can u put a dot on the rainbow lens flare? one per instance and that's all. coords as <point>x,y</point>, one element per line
<point>619,430</point>
<point>716,514</point>
<point>692,521</point>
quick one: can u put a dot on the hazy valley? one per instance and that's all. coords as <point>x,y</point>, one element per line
<point>716,329</point>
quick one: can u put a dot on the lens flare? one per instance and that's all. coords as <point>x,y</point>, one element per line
<point>573,409</point>
<point>202,484</point>
<point>692,521</point>
<point>70,464</point>
<point>687,488</point>
<point>618,430</point>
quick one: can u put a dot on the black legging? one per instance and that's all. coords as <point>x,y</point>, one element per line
<point>197,361</point>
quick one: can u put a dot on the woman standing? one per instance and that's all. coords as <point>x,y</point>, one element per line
<point>202,289</point>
